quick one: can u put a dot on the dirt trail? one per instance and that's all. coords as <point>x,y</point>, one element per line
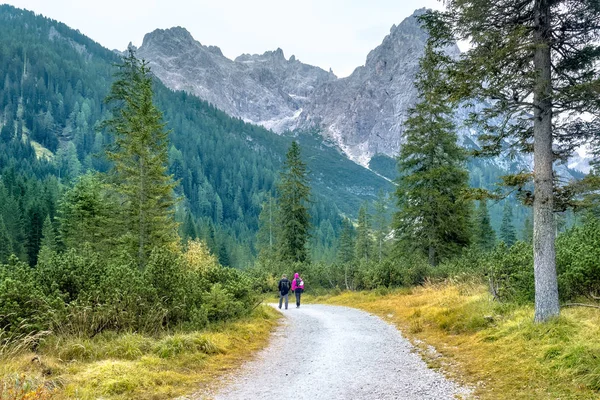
<point>328,352</point>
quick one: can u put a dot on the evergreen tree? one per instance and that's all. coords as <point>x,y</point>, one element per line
<point>485,234</point>
<point>34,222</point>
<point>140,157</point>
<point>268,229</point>
<point>433,215</point>
<point>364,244</point>
<point>380,224</point>
<point>346,251</point>
<point>538,63</point>
<point>346,247</point>
<point>5,243</point>
<point>85,215</point>
<point>49,236</point>
<point>507,229</point>
<point>294,219</point>
<point>49,244</point>
<point>188,228</point>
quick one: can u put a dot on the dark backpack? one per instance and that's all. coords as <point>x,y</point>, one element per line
<point>285,286</point>
<point>299,284</point>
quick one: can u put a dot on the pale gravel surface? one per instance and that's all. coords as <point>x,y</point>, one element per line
<point>329,353</point>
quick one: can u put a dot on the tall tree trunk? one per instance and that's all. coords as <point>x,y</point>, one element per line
<point>544,257</point>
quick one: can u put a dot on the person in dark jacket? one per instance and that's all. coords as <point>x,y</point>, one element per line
<point>298,288</point>
<point>284,290</point>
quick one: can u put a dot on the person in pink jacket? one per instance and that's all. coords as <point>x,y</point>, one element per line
<point>297,288</point>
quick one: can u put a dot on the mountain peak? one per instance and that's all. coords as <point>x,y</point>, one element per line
<point>174,34</point>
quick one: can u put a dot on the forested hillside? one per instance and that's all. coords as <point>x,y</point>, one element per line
<point>54,82</point>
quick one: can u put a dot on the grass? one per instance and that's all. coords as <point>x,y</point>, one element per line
<point>134,366</point>
<point>494,348</point>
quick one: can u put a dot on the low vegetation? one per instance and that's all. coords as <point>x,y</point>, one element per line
<point>495,347</point>
<point>133,365</point>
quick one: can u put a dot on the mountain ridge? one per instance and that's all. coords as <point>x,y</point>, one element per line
<point>363,113</point>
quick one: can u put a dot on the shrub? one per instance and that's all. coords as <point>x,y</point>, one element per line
<point>578,260</point>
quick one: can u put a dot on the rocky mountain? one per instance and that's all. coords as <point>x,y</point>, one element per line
<point>266,89</point>
<point>363,113</point>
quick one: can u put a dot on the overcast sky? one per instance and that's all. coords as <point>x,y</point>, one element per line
<point>328,33</point>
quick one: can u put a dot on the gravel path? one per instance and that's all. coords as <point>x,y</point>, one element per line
<point>328,352</point>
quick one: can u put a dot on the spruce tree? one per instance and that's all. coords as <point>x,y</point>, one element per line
<point>345,253</point>
<point>433,215</point>
<point>535,64</point>
<point>380,224</point>
<point>188,228</point>
<point>507,229</point>
<point>48,235</point>
<point>364,244</point>
<point>5,242</point>
<point>485,234</point>
<point>140,161</point>
<point>85,213</point>
<point>294,218</point>
<point>268,224</point>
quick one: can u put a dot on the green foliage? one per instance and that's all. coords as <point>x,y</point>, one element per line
<point>578,260</point>
<point>294,218</point>
<point>433,214</point>
<point>507,229</point>
<point>485,236</point>
<point>140,161</point>
<point>364,243</point>
<point>60,99</point>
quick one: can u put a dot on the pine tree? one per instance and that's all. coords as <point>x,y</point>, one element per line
<point>188,228</point>
<point>5,242</point>
<point>49,244</point>
<point>34,222</point>
<point>346,251</point>
<point>485,234</point>
<point>507,229</point>
<point>85,215</point>
<point>364,244</point>
<point>380,224</point>
<point>346,246</point>
<point>48,235</point>
<point>294,219</point>
<point>140,157</point>
<point>538,63</point>
<point>266,237</point>
<point>433,215</point>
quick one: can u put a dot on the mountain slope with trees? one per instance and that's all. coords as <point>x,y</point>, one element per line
<point>54,83</point>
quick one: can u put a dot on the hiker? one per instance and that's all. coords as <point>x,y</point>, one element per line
<point>284,290</point>
<point>298,288</point>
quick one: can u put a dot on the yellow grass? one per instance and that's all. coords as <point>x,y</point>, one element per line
<point>134,366</point>
<point>494,348</point>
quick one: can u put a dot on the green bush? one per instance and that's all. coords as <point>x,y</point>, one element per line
<point>24,307</point>
<point>578,260</point>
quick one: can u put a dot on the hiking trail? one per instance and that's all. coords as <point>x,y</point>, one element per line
<point>329,352</point>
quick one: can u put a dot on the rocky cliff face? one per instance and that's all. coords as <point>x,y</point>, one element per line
<point>363,113</point>
<point>266,89</point>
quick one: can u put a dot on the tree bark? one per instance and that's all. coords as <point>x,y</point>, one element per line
<point>544,257</point>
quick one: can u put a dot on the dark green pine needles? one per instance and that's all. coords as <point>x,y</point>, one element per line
<point>140,157</point>
<point>434,215</point>
<point>294,193</point>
